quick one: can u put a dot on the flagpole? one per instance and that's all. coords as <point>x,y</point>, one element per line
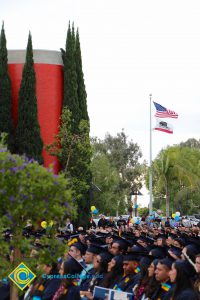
<point>150,164</point>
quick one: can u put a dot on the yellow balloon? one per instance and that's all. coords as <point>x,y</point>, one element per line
<point>173,215</point>
<point>93,208</point>
<point>51,223</point>
<point>44,224</point>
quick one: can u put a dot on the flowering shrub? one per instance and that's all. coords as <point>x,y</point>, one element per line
<point>28,191</point>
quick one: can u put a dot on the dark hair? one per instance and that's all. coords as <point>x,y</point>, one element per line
<point>185,272</point>
<point>116,272</point>
<point>144,277</point>
<point>151,283</point>
<point>72,267</point>
<point>105,259</point>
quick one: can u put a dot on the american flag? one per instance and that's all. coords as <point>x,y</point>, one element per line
<point>163,112</point>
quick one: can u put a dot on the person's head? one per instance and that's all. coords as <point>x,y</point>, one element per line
<point>162,270</point>
<point>161,242</point>
<point>137,233</point>
<point>152,267</point>
<point>77,250</point>
<point>116,264</point>
<point>89,257</point>
<point>109,240</point>
<point>169,241</point>
<point>70,266</point>
<point>130,263</point>
<point>101,262</point>
<point>197,263</point>
<point>51,268</point>
<point>142,242</point>
<point>179,243</point>
<point>181,273</point>
<point>118,247</point>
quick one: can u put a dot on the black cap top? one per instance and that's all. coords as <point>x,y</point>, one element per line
<point>72,266</point>
<point>95,249</point>
<point>167,262</point>
<point>121,241</point>
<point>131,256</point>
<point>157,252</point>
<point>106,256</point>
<point>175,250</point>
<point>80,246</point>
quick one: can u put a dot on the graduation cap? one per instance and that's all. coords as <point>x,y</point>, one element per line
<point>167,262</point>
<point>186,267</point>
<point>175,250</point>
<point>80,246</point>
<point>72,266</point>
<point>158,252</point>
<point>131,256</point>
<point>137,248</point>
<point>94,239</point>
<point>95,249</point>
<point>106,256</point>
<point>161,236</point>
<point>181,241</point>
<point>121,241</point>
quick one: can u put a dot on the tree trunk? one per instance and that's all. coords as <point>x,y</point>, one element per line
<point>167,202</point>
<point>13,288</point>
<point>13,292</point>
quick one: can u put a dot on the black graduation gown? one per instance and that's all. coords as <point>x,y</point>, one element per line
<point>4,291</point>
<point>160,293</point>
<point>73,293</point>
<point>47,289</point>
<point>126,283</point>
<point>187,294</point>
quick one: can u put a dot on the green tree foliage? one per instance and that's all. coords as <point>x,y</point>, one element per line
<point>29,191</point>
<point>6,123</point>
<point>28,139</point>
<point>74,152</point>
<point>174,170</point>
<point>82,95</point>
<point>124,157</point>
<point>191,143</point>
<point>107,179</point>
<point>70,81</point>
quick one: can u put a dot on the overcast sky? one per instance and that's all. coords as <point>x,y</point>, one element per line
<point>130,49</point>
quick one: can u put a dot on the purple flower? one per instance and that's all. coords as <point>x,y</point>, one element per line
<point>2,170</point>
<point>14,169</point>
<point>46,199</point>
<point>55,182</point>
<point>24,196</point>
<point>9,216</point>
<point>3,191</point>
<point>12,198</point>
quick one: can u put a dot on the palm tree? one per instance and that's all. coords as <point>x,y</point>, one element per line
<point>170,166</point>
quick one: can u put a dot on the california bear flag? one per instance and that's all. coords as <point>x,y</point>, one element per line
<point>163,126</point>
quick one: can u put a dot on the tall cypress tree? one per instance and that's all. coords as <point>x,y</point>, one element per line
<point>28,139</point>
<point>70,80</point>
<point>83,157</point>
<point>6,123</point>
<point>82,95</point>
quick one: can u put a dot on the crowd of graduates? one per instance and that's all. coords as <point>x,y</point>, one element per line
<point>148,262</point>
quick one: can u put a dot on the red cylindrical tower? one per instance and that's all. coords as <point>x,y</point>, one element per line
<point>49,91</point>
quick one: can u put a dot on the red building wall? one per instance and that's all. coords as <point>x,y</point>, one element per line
<point>49,91</point>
